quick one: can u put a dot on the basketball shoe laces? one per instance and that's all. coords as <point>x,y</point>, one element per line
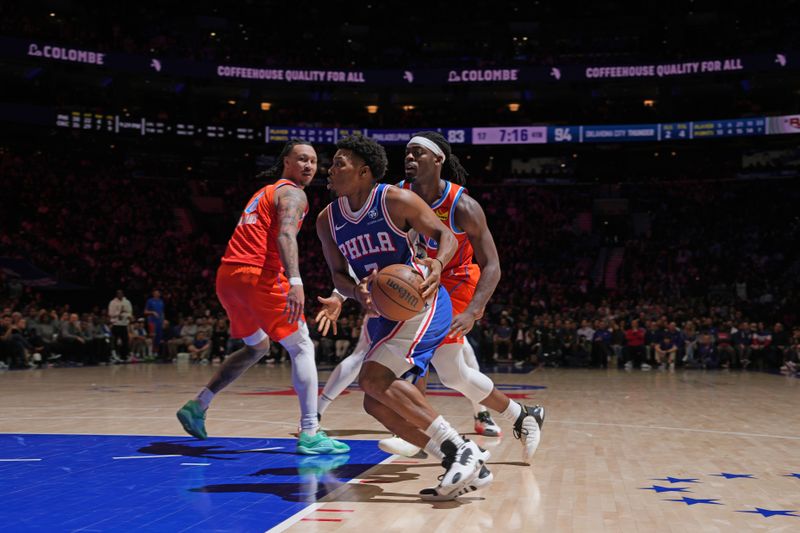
<point>520,431</point>
<point>447,462</point>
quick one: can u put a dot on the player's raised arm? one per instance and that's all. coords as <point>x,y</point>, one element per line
<point>408,209</point>
<point>291,204</point>
<point>470,218</point>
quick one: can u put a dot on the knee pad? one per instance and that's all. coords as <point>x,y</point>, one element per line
<point>469,356</point>
<point>455,374</point>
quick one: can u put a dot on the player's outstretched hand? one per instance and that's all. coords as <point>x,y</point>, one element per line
<point>430,284</point>
<point>295,303</point>
<point>327,316</point>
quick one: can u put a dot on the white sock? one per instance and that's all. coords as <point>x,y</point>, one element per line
<point>434,450</point>
<point>512,412</point>
<point>204,397</point>
<point>440,431</point>
<point>309,424</point>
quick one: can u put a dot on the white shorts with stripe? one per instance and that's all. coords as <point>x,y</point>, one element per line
<point>407,347</point>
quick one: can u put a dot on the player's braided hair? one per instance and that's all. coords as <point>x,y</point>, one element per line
<point>373,154</point>
<point>276,170</point>
<point>453,170</point>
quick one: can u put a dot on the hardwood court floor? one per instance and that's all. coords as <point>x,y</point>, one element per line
<point>608,436</point>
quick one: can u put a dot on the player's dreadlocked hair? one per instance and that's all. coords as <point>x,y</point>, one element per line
<point>276,170</point>
<point>453,170</point>
<point>373,154</point>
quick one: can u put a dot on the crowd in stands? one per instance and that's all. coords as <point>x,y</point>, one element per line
<point>37,337</point>
<point>90,222</point>
<point>715,264</point>
<point>640,337</point>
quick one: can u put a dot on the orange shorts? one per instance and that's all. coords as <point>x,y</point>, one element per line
<point>255,299</point>
<point>461,291</point>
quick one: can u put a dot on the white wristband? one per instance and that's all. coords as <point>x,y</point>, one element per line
<point>339,294</point>
<point>296,281</point>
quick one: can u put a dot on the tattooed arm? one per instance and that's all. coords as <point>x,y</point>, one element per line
<point>291,205</point>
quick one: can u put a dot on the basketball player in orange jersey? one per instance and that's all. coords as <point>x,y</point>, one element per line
<point>470,286</point>
<point>260,287</point>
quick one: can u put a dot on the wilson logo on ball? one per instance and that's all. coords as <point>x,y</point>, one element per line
<point>402,292</point>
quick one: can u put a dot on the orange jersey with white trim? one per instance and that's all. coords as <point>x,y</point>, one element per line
<point>255,239</point>
<point>460,268</point>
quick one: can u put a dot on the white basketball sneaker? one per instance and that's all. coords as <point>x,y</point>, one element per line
<point>484,425</point>
<point>528,429</point>
<point>397,446</point>
<point>483,480</point>
<point>462,465</point>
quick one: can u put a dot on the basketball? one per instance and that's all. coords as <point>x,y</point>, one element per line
<point>396,293</point>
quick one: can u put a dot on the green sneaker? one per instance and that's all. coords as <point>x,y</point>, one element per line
<point>319,444</point>
<point>193,419</point>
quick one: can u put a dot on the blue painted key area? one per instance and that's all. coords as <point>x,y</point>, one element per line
<point>155,483</point>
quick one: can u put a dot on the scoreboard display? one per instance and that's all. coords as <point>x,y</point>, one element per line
<point>729,128</point>
<point>510,135</point>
